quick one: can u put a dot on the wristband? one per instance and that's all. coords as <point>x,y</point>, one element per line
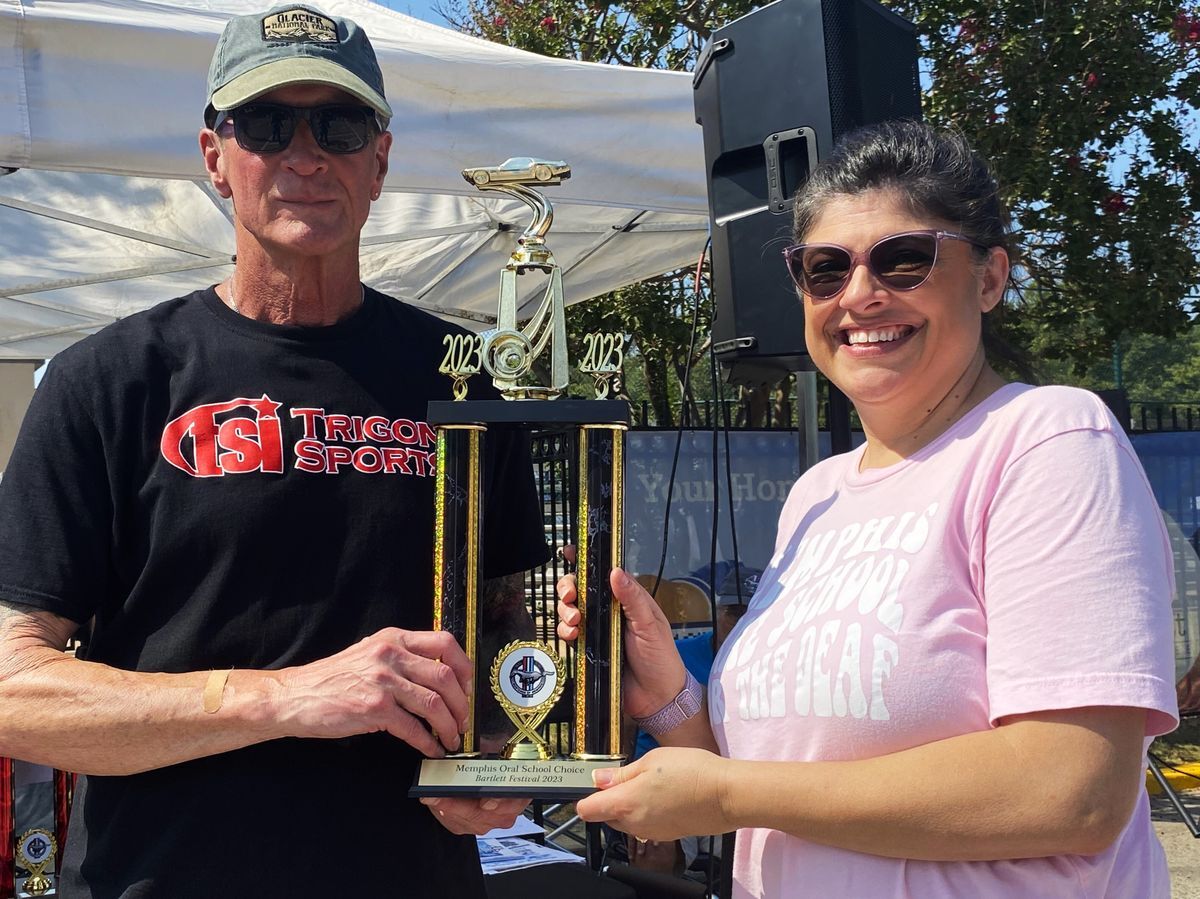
<point>214,690</point>
<point>682,708</point>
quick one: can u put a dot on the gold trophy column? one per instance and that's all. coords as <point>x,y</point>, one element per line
<point>456,547</point>
<point>600,549</point>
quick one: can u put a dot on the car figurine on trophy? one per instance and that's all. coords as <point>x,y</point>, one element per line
<point>530,678</point>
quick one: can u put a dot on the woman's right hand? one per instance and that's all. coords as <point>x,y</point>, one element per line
<point>654,673</point>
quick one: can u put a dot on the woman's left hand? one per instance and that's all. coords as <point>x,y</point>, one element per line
<point>666,794</point>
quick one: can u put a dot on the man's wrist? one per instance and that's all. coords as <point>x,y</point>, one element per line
<point>266,702</point>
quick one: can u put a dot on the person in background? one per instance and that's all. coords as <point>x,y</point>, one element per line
<point>948,678</point>
<point>237,486</point>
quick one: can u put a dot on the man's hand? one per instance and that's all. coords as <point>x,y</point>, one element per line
<point>664,857</point>
<point>476,816</point>
<point>394,680</point>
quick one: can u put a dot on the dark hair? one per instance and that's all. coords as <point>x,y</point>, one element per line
<point>937,174</point>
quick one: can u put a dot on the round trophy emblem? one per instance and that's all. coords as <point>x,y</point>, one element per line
<point>527,679</point>
<point>35,847</point>
<point>35,852</point>
<point>528,675</point>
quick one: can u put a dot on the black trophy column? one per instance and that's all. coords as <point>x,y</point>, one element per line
<point>457,575</point>
<point>600,548</point>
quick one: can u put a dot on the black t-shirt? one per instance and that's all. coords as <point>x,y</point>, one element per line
<point>219,492</point>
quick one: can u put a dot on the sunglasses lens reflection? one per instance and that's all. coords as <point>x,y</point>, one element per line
<point>264,129</point>
<point>341,129</point>
<point>905,261</point>
<point>901,262</point>
<point>824,270</point>
<point>269,128</point>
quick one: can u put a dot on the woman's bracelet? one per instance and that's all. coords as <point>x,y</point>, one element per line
<point>682,708</point>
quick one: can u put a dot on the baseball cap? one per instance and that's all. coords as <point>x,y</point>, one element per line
<point>728,594</point>
<point>295,44</point>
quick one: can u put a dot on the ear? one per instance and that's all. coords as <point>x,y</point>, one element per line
<point>994,279</point>
<point>383,146</point>
<point>214,161</point>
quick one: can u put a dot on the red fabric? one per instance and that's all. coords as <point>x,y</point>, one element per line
<point>8,824</point>
<point>64,792</point>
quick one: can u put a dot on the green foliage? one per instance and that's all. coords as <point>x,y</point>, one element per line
<point>646,33</point>
<point>1088,110</point>
<point>1155,369</point>
<point>656,318</point>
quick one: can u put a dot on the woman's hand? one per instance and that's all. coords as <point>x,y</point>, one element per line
<point>666,794</point>
<point>654,673</point>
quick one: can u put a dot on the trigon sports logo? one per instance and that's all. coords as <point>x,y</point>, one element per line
<point>233,437</point>
<point>299,25</point>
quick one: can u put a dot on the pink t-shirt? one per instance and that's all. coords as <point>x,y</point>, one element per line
<point>1019,563</point>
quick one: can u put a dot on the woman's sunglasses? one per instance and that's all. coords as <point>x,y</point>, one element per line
<point>899,261</point>
<point>270,127</point>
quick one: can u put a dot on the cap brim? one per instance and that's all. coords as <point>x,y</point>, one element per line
<point>298,70</point>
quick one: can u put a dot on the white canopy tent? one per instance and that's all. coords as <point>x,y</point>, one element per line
<point>109,212</point>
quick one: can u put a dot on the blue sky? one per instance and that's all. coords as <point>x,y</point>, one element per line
<point>420,9</point>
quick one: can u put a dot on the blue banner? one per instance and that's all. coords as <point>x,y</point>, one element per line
<point>765,464</point>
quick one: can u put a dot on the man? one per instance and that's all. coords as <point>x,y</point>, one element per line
<point>235,487</point>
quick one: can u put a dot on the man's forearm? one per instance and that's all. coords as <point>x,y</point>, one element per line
<point>89,718</point>
<point>93,719</point>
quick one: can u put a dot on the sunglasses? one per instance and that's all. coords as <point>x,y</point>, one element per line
<point>270,127</point>
<point>899,261</point>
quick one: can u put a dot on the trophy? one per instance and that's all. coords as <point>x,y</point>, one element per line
<point>36,849</point>
<point>530,679</point>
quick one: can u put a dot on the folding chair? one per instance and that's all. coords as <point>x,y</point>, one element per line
<point>1188,694</point>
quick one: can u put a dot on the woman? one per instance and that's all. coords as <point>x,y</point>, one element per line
<point>947,679</point>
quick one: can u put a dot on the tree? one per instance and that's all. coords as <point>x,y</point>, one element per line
<point>1087,108</point>
<point>1088,111</point>
<point>645,33</point>
<point>1155,369</point>
<point>656,316</point>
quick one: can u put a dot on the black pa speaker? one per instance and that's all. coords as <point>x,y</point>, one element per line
<point>773,91</point>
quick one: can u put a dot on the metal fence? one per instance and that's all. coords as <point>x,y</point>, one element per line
<point>1150,417</point>
<point>1145,416</point>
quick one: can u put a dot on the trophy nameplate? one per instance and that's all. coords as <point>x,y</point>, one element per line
<point>532,681</point>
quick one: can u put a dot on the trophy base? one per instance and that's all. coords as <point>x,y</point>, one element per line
<point>556,779</point>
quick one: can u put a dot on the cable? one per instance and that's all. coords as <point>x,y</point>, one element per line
<point>1158,761</point>
<point>737,558</point>
<point>716,495</point>
<point>687,387</point>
